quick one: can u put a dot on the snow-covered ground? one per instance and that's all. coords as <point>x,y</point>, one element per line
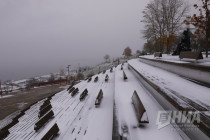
<point>75,118</point>
<point>205,61</point>
<point>81,120</point>
<point>174,85</point>
<point>126,114</point>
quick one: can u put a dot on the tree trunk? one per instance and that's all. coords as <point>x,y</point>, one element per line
<point>207,29</point>
<point>207,47</point>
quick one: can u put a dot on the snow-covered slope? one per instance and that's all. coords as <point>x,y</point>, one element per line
<point>81,120</point>
<point>175,86</point>
<point>75,118</point>
<point>125,112</point>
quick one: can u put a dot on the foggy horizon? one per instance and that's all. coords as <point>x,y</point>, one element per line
<point>38,37</point>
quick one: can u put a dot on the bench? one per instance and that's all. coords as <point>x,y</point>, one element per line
<point>111,69</point>
<point>96,79</point>
<point>99,98</point>
<point>43,120</point>
<point>157,54</point>
<point>51,133</point>
<point>89,79</point>
<point>84,94</point>
<point>139,109</point>
<point>124,76</point>
<point>50,97</point>
<point>191,55</point>
<point>4,133</point>
<point>69,87</point>
<point>45,104</point>
<point>107,78</point>
<point>74,92</point>
<point>8,126</point>
<point>121,67</point>
<point>104,71</point>
<point>44,110</point>
<point>72,89</point>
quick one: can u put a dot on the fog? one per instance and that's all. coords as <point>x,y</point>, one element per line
<point>39,36</point>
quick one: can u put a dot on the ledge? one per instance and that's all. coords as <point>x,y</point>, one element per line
<point>197,72</point>
<point>170,104</point>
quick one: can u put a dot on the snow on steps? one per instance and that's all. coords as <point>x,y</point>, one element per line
<point>126,118</point>
<point>74,118</point>
<point>190,70</point>
<point>152,77</point>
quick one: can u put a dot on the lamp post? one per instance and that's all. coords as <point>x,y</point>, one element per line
<point>167,42</point>
<point>68,79</point>
<point>0,89</point>
<point>207,29</point>
<point>78,73</point>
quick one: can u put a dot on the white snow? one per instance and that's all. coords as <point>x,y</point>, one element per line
<point>81,120</point>
<point>173,84</point>
<point>175,59</point>
<point>144,117</point>
<point>6,96</point>
<point>125,111</point>
<point>71,114</point>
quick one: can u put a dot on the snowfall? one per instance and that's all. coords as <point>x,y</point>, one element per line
<point>81,120</point>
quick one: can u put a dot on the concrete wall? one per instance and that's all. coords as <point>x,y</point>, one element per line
<point>185,133</point>
<point>182,69</point>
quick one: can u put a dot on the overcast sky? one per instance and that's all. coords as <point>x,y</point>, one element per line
<point>39,36</point>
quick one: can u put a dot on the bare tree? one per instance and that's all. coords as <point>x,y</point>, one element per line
<point>162,17</point>
<point>202,23</point>
<point>149,47</point>
<point>106,57</point>
<point>0,89</point>
<point>127,51</point>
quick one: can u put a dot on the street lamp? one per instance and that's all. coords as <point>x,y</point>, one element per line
<point>167,42</point>
<point>68,79</point>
